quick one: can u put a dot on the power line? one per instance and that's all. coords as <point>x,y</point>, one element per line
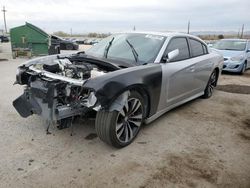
<point>242,31</point>
<point>4,10</point>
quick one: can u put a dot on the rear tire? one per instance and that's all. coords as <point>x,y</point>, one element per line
<point>120,128</point>
<point>212,82</point>
<point>69,47</point>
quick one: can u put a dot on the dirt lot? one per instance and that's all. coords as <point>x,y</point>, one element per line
<point>205,143</point>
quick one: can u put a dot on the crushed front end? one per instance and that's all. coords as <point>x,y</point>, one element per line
<point>54,88</point>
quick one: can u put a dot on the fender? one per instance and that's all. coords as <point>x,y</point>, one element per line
<point>109,86</point>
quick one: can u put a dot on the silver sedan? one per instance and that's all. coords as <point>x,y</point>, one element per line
<point>123,81</point>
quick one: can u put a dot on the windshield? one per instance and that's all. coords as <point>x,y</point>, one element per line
<point>132,48</point>
<point>236,45</point>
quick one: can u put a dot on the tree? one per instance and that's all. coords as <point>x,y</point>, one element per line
<point>61,34</point>
<point>92,35</point>
<point>220,36</point>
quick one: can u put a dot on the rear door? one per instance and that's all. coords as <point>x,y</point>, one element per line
<point>179,73</point>
<point>202,64</point>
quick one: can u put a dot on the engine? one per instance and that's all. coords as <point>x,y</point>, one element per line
<point>75,70</point>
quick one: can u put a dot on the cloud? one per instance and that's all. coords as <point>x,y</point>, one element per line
<point>116,15</point>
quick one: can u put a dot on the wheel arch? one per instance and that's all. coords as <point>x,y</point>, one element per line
<point>217,70</point>
<point>147,80</point>
<point>142,90</point>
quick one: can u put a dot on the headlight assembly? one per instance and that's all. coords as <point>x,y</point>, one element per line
<point>21,76</point>
<point>237,58</point>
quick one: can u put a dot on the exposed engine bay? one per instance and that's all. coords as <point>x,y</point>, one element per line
<point>64,67</point>
<point>66,70</point>
<point>54,87</point>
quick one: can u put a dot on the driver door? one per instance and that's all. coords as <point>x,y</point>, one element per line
<point>179,72</point>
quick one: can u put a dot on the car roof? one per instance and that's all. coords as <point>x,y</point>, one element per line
<point>234,39</point>
<point>164,34</point>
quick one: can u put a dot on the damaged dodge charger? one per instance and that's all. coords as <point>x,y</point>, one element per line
<point>124,81</point>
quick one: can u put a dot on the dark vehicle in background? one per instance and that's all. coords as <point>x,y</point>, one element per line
<point>4,38</point>
<point>80,41</point>
<point>88,41</point>
<point>64,44</point>
<point>236,54</point>
<point>92,41</point>
<point>95,41</point>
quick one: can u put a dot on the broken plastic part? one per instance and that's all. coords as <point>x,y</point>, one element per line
<point>97,108</point>
<point>90,101</point>
<point>68,90</point>
<point>95,73</point>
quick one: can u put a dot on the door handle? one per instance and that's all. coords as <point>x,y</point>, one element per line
<point>191,69</point>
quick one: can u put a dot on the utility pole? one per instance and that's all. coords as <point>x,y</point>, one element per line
<point>134,28</point>
<point>188,26</point>
<point>242,31</point>
<point>71,32</point>
<point>4,10</point>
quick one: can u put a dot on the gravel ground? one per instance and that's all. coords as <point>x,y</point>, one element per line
<point>204,143</point>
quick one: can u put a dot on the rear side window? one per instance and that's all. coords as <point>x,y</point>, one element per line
<point>205,49</point>
<point>182,45</point>
<point>197,48</point>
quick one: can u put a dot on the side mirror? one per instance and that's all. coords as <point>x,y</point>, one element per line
<point>248,50</point>
<point>171,55</point>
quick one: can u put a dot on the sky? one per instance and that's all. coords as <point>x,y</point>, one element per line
<point>83,16</point>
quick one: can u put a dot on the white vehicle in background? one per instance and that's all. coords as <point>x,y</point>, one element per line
<point>236,53</point>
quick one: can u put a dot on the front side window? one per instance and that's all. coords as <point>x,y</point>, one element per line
<point>180,44</point>
<point>196,48</point>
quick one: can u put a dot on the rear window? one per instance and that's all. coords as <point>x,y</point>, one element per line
<point>197,48</point>
<point>205,49</point>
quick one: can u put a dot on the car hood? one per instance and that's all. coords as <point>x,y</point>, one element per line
<point>230,53</point>
<point>112,64</point>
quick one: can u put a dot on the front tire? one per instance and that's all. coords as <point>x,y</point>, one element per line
<point>212,82</point>
<point>120,128</point>
<point>243,68</point>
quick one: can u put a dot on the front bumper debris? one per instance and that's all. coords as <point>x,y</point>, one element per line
<point>43,99</point>
<point>26,105</point>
